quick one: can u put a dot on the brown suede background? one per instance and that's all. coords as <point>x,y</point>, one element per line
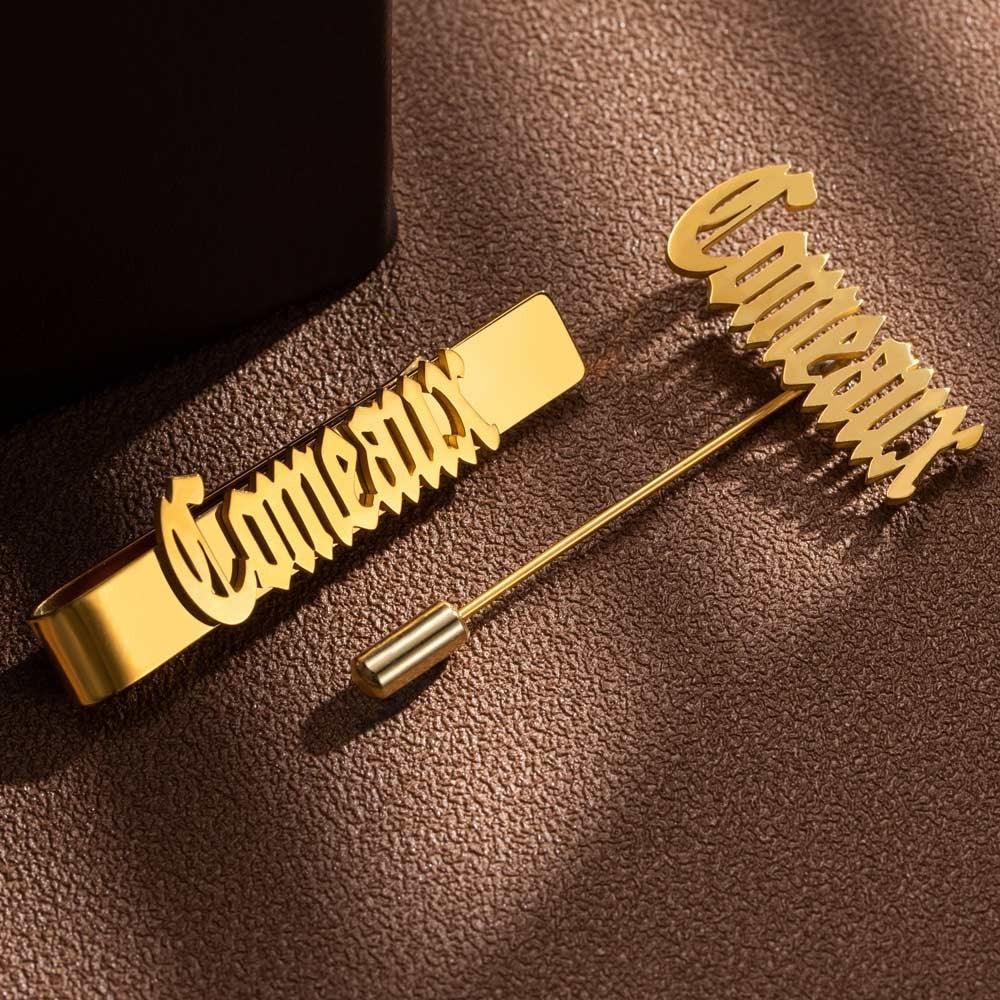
<point>743,745</point>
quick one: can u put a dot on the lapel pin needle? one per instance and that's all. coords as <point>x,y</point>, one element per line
<point>436,633</point>
<point>879,400</point>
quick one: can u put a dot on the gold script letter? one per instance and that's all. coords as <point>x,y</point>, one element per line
<point>729,205</point>
<point>204,587</point>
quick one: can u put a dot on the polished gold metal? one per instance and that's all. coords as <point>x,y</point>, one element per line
<point>434,634</point>
<point>314,499</point>
<point>210,559</point>
<point>410,651</point>
<point>811,326</point>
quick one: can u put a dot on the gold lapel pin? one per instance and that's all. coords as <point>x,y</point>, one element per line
<point>879,400</point>
<point>212,558</point>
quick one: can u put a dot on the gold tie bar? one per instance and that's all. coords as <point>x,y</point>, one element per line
<point>879,399</point>
<point>211,558</point>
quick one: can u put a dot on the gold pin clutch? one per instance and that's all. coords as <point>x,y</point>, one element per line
<point>211,558</point>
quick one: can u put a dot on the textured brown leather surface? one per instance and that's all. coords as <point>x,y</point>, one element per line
<point>743,745</point>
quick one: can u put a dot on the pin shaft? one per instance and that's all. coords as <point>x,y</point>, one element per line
<point>428,639</point>
<point>607,515</point>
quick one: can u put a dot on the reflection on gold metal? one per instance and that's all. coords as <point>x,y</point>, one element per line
<point>411,650</point>
<point>319,494</point>
<point>212,558</point>
<point>811,326</point>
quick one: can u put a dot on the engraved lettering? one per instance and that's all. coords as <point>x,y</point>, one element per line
<point>208,589</point>
<point>729,205</point>
<point>812,326</point>
<point>296,512</point>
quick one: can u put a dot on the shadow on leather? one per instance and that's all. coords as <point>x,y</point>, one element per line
<point>340,720</point>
